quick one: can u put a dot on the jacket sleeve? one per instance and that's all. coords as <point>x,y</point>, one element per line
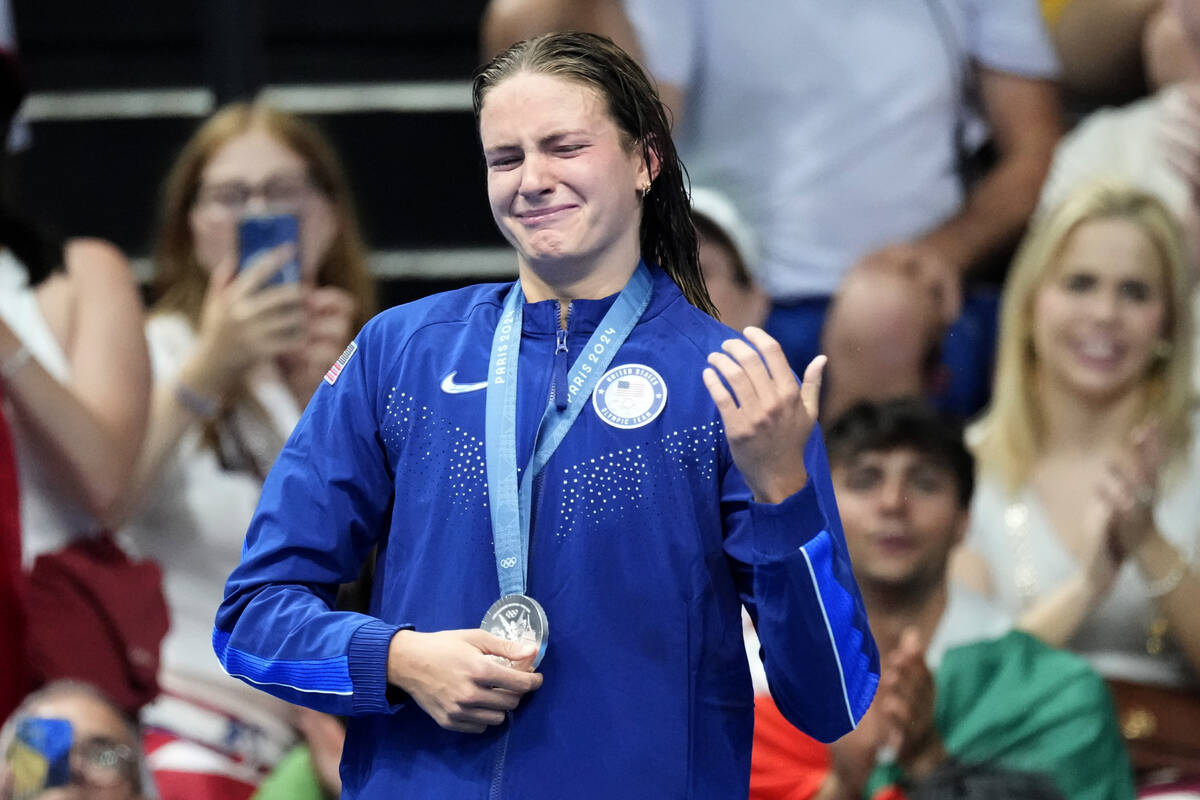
<point>794,577</point>
<point>325,503</point>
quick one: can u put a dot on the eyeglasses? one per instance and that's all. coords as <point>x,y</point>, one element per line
<point>279,192</point>
<point>103,763</point>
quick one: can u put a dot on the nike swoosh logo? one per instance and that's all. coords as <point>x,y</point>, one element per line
<point>450,387</point>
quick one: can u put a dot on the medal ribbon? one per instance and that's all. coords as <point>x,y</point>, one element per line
<point>510,503</point>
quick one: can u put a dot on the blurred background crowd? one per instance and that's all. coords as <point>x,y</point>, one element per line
<point>983,211</point>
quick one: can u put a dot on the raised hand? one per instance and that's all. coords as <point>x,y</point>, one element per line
<point>329,318</point>
<point>768,416</point>
<point>905,703</point>
<point>1179,134</point>
<point>1129,488</point>
<point>244,321</point>
<point>453,677</point>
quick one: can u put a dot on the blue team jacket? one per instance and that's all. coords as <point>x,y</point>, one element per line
<point>645,544</point>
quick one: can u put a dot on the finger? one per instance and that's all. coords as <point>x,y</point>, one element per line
<point>499,676</point>
<point>810,387</point>
<point>911,645</point>
<point>726,406</point>
<point>331,300</point>
<point>509,649</point>
<point>495,700</point>
<point>772,354</point>
<point>274,299</point>
<point>464,727</point>
<point>1150,448</point>
<point>222,275</point>
<point>736,378</point>
<point>1116,489</point>
<point>1109,492</point>
<point>753,365</point>
<point>263,267</point>
<point>331,331</point>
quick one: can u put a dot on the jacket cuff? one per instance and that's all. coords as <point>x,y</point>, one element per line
<point>781,529</point>
<point>368,655</point>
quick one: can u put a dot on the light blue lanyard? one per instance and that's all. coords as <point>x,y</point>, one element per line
<point>511,505</point>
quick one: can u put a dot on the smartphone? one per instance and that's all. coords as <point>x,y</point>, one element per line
<point>40,756</point>
<point>258,233</point>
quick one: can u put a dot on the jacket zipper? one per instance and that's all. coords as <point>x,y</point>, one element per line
<point>501,756</point>
<point>558,395</point>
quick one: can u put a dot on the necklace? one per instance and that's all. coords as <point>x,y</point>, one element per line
<point>1025,575</point>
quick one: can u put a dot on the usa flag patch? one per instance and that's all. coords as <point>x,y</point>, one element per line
<point>332,375</point>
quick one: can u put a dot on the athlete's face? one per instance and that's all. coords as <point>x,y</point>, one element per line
<point>563,182</point>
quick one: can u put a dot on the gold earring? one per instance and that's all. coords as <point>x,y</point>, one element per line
<point>645,191</point>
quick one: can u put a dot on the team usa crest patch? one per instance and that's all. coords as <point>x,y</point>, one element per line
<point>332,375</point>
<point>629,396</point>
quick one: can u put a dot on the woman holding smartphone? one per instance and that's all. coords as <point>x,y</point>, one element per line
<point>236,354</point>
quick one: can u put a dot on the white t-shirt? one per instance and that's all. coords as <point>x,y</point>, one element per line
<point>1014,536</point>
<point>830,125</point>
<point>49,519</point>
<point>194,519</point>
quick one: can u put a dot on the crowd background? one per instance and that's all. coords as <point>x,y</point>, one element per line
<point>117,102</point>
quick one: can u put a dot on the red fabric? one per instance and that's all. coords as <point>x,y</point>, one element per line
<point>784,764</point>
<point>14,678</point>
<point>167,754</point>
<point>99,617</point>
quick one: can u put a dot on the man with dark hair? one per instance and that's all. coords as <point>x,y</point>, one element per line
<point>963,700</point>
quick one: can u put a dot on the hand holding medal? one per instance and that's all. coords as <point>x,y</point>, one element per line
<point>769,416</point>
<point>454,675</point>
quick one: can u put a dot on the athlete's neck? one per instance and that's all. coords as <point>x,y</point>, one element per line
<point>576,279</point>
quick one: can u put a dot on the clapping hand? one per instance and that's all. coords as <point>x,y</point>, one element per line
<point>768,416</point>
<point>905,703</point>
<point>1129,488</point>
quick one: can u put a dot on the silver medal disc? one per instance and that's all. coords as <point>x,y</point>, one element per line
<point>518,618</point>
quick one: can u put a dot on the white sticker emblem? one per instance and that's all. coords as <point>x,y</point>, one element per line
<point>629,396</point>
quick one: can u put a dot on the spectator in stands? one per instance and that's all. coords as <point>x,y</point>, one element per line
<point>106,761</point>
<point>1097,44</point>
<point>838,133</point>
<point>506,22</point>
<point>235,360</point>
<point>728,254</point>
<point>962,698</point>
<point>1087,520</point>
<point>1127,142</point>
<point>1154,143</point>
<point>74,390</point>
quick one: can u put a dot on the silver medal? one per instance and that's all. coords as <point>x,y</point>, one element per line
<point>518,618</point>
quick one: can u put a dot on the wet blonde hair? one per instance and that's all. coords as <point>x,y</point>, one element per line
<point>1010,435</point>
<point>180,281</point>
